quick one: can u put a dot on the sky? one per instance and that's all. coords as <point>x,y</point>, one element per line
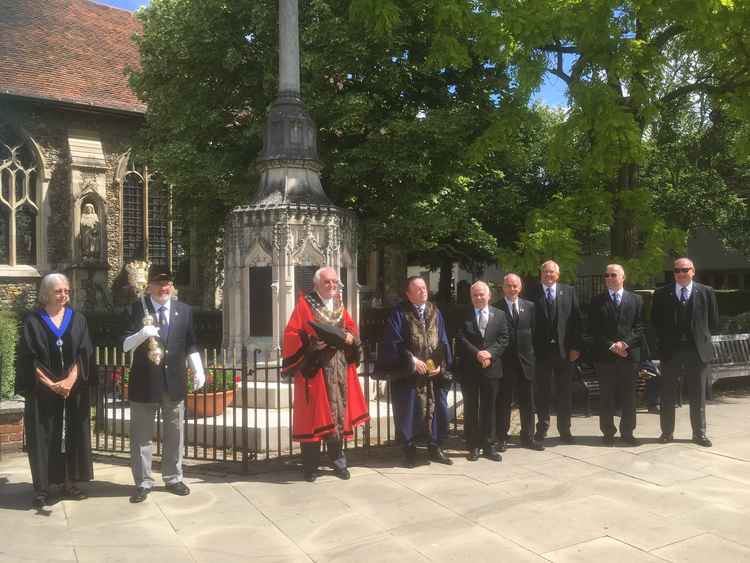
<point>552,92</point>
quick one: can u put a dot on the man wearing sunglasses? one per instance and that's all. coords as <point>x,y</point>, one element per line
<point>684,315</point>
<point>616,325</point>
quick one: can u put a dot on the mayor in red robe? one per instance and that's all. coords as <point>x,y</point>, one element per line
<point>322,358</point>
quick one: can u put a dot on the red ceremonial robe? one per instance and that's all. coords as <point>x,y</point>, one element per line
<point>312,418</point>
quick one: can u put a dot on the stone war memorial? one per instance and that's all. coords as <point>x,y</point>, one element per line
<point>274,245</point>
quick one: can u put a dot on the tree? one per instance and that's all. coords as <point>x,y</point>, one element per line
<point>399,105</point>
<point>625,64</point>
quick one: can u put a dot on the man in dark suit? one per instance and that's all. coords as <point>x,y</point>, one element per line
<point>518,363</point>
<point>616,325</point>
<point>162,384</point>
<point>684,315</point>
<point>481,341</point>
<point>557,344</point>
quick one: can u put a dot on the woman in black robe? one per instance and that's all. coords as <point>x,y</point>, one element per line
<point>54,372</point>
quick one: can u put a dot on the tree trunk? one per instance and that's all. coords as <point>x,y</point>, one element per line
<point>624,231</point>
<point>445,285</point>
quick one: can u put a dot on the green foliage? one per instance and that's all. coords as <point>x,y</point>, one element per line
<point>426,133</point>
<point>8,335</point>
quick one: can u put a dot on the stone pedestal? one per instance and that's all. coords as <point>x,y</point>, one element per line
<point>284,243</point>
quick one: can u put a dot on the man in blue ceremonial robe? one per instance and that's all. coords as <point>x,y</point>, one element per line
<point>417,355</point>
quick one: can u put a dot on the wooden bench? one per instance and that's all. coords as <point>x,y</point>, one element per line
<point>731,358</point>
<point>590,381</point>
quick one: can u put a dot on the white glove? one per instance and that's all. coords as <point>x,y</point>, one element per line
<point>199,377</point>
<point>135,340</point>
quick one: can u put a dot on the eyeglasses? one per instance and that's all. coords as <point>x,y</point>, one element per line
<point>62,292</point>
<point>682,270</point>
<point>610,274</point>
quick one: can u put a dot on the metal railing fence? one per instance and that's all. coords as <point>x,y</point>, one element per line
<point>244,412</point>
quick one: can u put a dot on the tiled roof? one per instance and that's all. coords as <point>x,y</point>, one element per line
<point>72,51</point>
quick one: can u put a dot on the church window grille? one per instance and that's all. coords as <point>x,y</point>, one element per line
<point>19,206</point>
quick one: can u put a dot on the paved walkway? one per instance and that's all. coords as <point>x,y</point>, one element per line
<point>581,502</point>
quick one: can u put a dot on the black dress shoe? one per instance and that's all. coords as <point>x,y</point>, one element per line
<point>490,453</point>
<point>473,454</point>
<point>343,473</point>
<point>140,495</point>
<point>73,493</point>
<point>532,444</point>
<point>310,476</point>
<point>502,446</point>
<point>567,438</point>
<point>439,456</point>
<point>410,456</point>
<point>666,438</point>
<point>702,440</point>
<point>608,441</point>
<point>40,500</point>
<point>179,488</point>
<point>631,441</point>
<point>540,435</point>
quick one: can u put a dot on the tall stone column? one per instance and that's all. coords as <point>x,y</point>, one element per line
<point>290,223</point>
<point>289,81</point>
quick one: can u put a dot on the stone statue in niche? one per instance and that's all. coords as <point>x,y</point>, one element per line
<point>90,233</point>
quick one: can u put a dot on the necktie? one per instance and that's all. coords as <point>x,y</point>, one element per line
<point>514,312</point>
<point>482,321</point>
<point>683,294</point>
<point>550,299</point>
<point>163,323</point>
<point>616,298</point>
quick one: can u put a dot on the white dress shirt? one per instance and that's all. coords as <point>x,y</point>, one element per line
<point>158,306</point>
<point>553,287</point>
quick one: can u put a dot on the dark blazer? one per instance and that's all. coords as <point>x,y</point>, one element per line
<point>521,346</point>
<point>609,324</point>
<point>469,341</point>
<point>705,320</point>
<point>569,326</point>
<point>147,381</point>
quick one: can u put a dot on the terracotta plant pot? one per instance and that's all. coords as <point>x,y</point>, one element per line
<point>124,394</point>
<point>213,404</point>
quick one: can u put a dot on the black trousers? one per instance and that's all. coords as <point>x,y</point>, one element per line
<point>481,400</point>
<point>553,372</point>
<point>686,363</point>
<point>311,454</point>
<point>514,381</point>
<point>617,378</point>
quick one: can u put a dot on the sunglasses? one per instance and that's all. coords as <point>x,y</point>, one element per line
<point>682,270</point>
<point>609,274</point>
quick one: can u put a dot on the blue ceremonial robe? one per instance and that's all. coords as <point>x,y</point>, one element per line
<point>420,405</point>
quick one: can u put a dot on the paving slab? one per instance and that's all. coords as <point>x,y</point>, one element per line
<point>706,547</point>
<point>579,502</point>
<point>601,549</point>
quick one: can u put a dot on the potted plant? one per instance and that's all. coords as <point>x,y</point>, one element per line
<point>119,378</point>
<point>217,393</point>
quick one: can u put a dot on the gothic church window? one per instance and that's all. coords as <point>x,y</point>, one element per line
<point>19,204</point>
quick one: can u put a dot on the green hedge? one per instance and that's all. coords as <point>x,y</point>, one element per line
<point>8,335</point>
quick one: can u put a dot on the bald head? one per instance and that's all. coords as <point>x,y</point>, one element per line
<point>684,271</point>
<point>614,277</point>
